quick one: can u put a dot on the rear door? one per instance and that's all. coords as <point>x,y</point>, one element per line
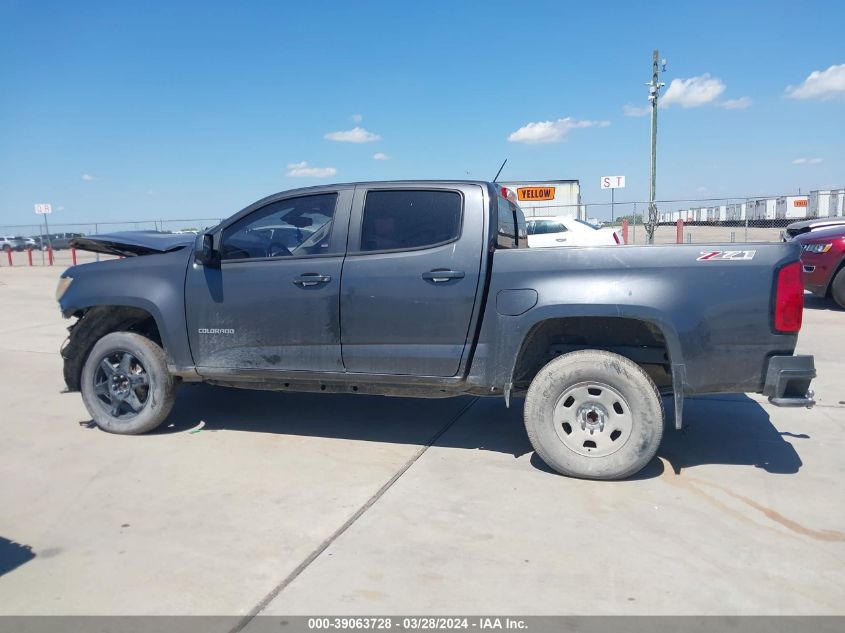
<point>410,278</point>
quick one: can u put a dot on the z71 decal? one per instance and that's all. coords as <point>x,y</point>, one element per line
<point>723,256</point>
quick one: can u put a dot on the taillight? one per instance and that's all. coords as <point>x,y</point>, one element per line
<point>508,194</point>
<point>789,298</point>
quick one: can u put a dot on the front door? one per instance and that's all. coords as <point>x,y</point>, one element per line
<point>273,302</point>
<point>410,278</point>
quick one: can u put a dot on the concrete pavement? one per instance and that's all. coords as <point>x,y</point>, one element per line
<point>304,504</point>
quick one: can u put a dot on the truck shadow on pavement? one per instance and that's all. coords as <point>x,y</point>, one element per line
<point>813,302</point>
<point>730,429</point>
<point>13,555</point>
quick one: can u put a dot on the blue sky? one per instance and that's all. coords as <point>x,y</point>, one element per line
<point>117,110</point>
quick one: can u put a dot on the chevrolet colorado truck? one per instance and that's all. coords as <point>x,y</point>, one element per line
<point>428,289</point>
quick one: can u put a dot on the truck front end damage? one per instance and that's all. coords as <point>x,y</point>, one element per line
<point>94,323</point>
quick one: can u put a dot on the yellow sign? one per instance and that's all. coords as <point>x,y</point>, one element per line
<point>536,193</point>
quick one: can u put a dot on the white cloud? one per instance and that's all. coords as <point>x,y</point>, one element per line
<point>693,92</point>
<point>302,170</point>
<point>357,118</point>
<point>380,156</point>
<point>807,161</point>
<point>815,161</point>
<point>736,104</point>
<point>632,110</point>
<point>701,189</point>
<point>550,131</point>
<point>87,177</point>
<point>355,135</point>
<point>799,161</point>
<point>820,84</point>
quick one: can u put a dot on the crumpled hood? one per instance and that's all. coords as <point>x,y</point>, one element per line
<point>827,233</point>
<point>805,226</point>
<point>131,243</point>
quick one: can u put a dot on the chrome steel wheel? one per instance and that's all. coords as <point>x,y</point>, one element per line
<point>121,385</point>
<point>593,419</point>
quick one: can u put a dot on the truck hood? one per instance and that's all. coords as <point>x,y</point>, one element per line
<point>131,243</point>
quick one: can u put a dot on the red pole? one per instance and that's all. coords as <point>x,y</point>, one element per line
<point>50,255</point>
<point>73,255</point>
<point>679,232</point>
<point>29,255</point>
<point>625,231</point>
<point>9,255</point>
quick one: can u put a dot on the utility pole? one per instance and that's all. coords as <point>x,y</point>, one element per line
<point>612,205</point>
<point>653,92</point>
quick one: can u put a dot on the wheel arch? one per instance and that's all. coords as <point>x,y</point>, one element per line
<point>640,334</point>
<point>94,322</point>
<point>829,290</point>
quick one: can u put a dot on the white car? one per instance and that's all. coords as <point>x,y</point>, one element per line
<point>568,231</point>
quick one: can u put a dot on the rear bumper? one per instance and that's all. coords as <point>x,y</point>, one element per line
<point>788,381</point>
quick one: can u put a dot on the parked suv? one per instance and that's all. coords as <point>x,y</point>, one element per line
<point>59,241</point>
<point>823,260</point>
<point>11,243</point>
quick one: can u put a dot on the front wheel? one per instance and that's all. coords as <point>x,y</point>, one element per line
<point>595,415</point>
<point>837,288</point>
<point>126,386</point>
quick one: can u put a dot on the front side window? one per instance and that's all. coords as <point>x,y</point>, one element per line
<point>402,220</point>
<point>288,228</point>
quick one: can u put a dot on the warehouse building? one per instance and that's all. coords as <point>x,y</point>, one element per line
<point>547,197</point>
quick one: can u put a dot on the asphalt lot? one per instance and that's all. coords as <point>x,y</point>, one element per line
<point>334,504</point>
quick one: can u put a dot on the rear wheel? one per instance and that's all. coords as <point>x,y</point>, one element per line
<point>595,415</point>
<point>126,386</point>
<point>837,288</point>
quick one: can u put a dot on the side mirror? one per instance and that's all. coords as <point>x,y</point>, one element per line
<point>204,252</point>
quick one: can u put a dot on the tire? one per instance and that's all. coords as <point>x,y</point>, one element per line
<point>594,415</point>
<point>837,288</point>
<point>138,367</point>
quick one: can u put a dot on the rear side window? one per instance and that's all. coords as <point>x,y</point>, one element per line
<point>506,235</point>
<point>512,232</point>
<point>402,220</point>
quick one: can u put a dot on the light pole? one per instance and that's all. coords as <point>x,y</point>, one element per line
<point>654,87</point>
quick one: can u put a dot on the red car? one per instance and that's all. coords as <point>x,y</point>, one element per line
<point>823,260</point>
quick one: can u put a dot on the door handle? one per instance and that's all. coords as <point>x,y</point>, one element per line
<point>439,276</point>
<point>560,239</point>
<point>311,279</point>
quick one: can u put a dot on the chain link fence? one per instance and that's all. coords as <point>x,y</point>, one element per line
<point>31,245</point>
<point>704,220</point>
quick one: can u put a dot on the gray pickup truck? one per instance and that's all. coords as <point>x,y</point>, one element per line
<point>427,289</point>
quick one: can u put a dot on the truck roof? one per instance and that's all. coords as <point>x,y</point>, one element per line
<point>455,181</point>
